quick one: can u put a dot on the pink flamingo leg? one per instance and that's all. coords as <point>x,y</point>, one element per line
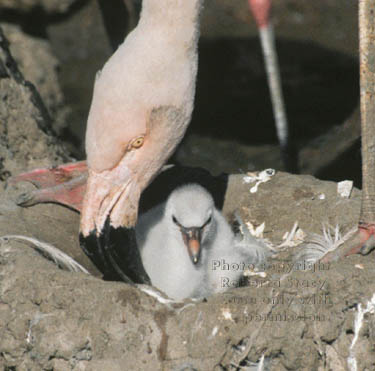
<point>64,184</point>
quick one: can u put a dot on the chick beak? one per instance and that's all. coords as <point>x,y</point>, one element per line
<point>192,240</point>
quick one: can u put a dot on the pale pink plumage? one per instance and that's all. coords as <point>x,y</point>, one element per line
<point>145,92</point>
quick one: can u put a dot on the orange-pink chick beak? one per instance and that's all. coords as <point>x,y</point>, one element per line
<point>192,240</point>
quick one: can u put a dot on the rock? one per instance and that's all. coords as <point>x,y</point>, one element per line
<point>38,65</point>
<point>287,199</point>
<point>25,125</point>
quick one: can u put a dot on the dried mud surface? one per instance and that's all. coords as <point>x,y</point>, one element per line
<point>36,61</point>
<point>300,320</point>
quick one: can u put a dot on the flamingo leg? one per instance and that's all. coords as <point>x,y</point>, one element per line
<point>50,177</point>
<point>64,184</point>
<point>363,241</point>
<point>261,10</point>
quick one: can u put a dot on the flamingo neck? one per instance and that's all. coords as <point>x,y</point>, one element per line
<point>179,19</point>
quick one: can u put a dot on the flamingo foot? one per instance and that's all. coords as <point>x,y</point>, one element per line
<point>113,251</point>
<point>367,233</point>
<point>362,242</point>
<point>64,184</point>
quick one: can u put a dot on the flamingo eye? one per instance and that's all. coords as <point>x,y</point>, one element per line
<point>175,220</point>
<point>138,142</point>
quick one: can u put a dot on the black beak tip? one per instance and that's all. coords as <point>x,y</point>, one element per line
<point>92,247</point>
<point>115,253</point>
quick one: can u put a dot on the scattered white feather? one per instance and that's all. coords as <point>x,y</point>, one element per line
<point>318,246</point>
<point>57,256</point>
<point>261,177</point>
<point>250,272</point>
<point>226,313</point>
<point>169,303</point>
<point>37,318</point>
<point>156,294</point>
<point>258,247</point>
<point>241,362</point>
<point>322,196</point>
<point>255,231</point>
<point>214,331</point>
<point>261,363</point>
<point>358,322</point>
<point>250,178</point>
<point>252,366</point>
<point>344,188</point>
<point>293,238</point>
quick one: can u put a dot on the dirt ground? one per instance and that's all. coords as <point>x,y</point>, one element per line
<point>299,320</point>
<point>313,318</point>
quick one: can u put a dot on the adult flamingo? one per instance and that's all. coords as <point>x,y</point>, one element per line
<point>142,104</point>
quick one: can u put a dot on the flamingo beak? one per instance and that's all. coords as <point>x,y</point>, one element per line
<point>192,240</point>
<point>108,219</point>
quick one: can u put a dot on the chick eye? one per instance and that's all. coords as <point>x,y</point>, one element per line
<point>138,142</point>
<point>208,221</point>
<point>174,220</point>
